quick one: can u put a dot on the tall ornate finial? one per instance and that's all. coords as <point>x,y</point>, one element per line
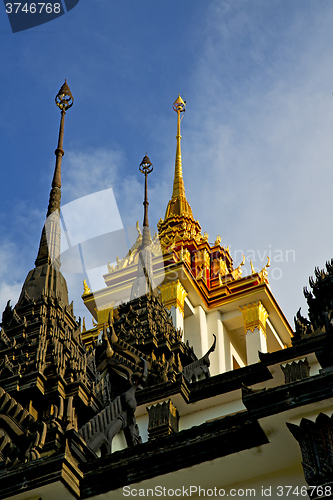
<point>49,248</point>
<point>144,283</point>
<point>145,168</point>
<point>64,100</point>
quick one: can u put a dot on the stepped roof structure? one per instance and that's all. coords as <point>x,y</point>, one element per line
<point>197,387</point>
<point>197,281</point>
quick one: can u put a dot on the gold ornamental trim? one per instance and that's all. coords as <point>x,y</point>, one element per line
<point>173,295</point>
<point>254,316</point>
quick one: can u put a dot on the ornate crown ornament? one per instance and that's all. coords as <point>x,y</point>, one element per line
<point>64,99</point>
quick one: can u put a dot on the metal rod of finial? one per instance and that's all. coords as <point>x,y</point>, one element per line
<point>64,100</point>
<point>49,246</point>
<point>146,167</point>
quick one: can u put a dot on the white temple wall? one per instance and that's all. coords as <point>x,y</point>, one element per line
<point>198,417</point>
<point>255,341</point>
<point>177,318</point>
<point>195,331</point>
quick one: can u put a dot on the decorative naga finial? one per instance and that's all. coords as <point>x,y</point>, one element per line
<point>145,168</point>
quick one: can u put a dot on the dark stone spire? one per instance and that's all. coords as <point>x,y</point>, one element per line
<point>46,277</point>
<point>144,283</point>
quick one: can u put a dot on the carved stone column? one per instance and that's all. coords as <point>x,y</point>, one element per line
<point>163,420</point>
<point>254,317</point>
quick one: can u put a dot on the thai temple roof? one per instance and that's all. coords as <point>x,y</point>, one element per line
<point>189,366</point>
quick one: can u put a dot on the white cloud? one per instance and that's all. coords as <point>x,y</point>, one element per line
<point>90,171</point>
<point>91,216</point>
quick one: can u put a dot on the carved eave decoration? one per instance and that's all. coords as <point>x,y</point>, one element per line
<point>315,441</point>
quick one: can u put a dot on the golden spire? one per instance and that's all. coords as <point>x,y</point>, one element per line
<point>178,205</point>
<point>178,183</point>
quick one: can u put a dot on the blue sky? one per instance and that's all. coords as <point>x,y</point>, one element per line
<point>257,136</point>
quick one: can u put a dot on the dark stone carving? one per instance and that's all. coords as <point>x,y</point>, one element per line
<point>119,415</point>
<point>320,302</point>
<point>5,341</point>
<point>316,443</point>
<point>7,369</point>
<point>297,370</point>
<point>144,328</point>
<point>163,420</point>
<point>192,371</point>
<point>42,359</point>
<point>302,326</point>
<point>21,436</point>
